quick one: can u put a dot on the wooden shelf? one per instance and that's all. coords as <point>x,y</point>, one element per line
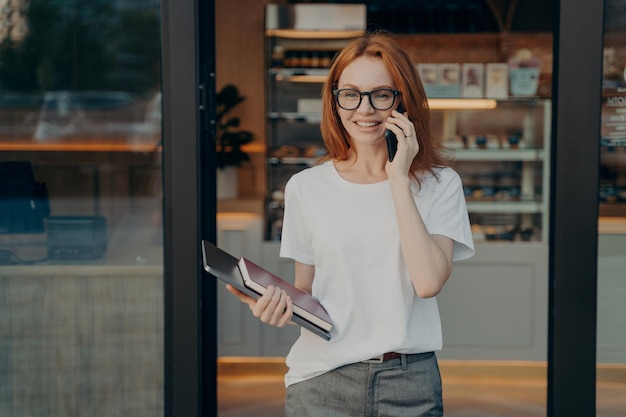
<point>313,34</point>
<point>81,146</point>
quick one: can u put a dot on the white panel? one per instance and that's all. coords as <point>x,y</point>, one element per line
<point>239,332</point>
<point>612,299</point>
<point>316,17</point>
<point>277,342</point>
<point>329,16</point>
<point>495,303</point>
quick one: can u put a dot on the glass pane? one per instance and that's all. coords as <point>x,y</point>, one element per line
<point>81,265</point>
<point>611,357</point>
<point>494,308</point>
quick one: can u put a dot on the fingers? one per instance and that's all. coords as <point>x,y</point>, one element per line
<point>243,297</point>
<point>274,307</point>
<point>234,290</point>
<point>405,133</point>
<point>403,123</point>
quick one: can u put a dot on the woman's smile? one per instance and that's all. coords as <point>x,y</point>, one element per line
<point>367,124</point>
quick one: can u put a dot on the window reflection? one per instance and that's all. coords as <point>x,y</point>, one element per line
<point>80,110</point>
<point>81,274</point>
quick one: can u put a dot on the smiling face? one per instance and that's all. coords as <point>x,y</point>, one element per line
<point>374,61</point>
<point>365,124</point>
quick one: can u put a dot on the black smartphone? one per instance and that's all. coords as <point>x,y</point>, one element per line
<point>390,137</point>
<point>392,143</point>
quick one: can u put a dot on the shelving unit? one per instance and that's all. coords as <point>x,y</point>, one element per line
<point>297,66</point>
<point>494,304</point>
<point>509,273</point>
<point>502,156</point>
<point>499,147</point>
<point>516,211</point>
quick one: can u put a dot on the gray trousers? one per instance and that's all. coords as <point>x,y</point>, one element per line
<point>409,386</point>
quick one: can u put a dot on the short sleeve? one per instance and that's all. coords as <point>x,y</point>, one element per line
<point>295,241</point>
<point>448,215</point>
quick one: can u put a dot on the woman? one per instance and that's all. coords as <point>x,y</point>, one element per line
<point>373,240</point>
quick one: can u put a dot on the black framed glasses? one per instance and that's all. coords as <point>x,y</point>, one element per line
<point>381,99</point>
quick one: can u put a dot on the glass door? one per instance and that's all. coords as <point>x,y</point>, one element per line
<point>81,225</point>
<point>611,339</point>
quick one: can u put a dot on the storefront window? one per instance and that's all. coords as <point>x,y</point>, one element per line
<point>611,353</point>
<point>81,264</point>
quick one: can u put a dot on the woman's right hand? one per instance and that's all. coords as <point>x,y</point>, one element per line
<point>274,307</point>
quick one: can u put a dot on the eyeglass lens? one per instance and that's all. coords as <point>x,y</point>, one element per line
<point>382,99</point>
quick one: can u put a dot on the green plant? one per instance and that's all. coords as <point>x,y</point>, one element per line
<point>229,139</point>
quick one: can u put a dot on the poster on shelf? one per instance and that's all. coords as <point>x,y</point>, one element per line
<point>524,73</point>
<point>473,80</point>
<point>441,80</point>
<point>429,74</point>
<point>497,80</point>
<point>450,74</point>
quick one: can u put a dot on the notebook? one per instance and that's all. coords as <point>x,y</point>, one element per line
<point>307,311</point>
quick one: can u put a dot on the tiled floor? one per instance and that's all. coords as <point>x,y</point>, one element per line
<point>490,394</point>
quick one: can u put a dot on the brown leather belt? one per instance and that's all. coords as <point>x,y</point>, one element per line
<point>384,357</point>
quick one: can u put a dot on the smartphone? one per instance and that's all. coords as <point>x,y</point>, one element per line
<point>390,137</point>
<point>392,144</point>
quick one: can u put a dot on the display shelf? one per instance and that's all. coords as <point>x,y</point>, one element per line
<point>505,207</point>
<point>302,75</point>
<point>499,147</point>
<point>531,154</point>
<point>612,225</point>
<point>297,65</point>
<point>293,160</point>
<point>511,182</point>
<point>502,157</point>
<point>295,117</point>
<point>309,35</point>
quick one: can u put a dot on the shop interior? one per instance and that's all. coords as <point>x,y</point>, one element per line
<point>92,226</point>
<point>506,181</point>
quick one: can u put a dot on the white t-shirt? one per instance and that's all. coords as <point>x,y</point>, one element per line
<point>349,232</point>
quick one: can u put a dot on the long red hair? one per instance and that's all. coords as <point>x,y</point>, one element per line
<point>403,73</point>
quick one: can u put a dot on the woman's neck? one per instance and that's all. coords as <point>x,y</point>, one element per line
<point>364,169</point>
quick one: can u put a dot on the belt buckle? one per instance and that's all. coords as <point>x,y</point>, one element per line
<point>377,359</point>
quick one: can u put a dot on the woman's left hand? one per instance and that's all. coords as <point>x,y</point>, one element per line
<point>408,147</point>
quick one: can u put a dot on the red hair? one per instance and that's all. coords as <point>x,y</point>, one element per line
<point>404,75</point>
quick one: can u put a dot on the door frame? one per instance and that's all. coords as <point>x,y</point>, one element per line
<point>577,97</point>
<point>189,212</point>
<point>189,207</point>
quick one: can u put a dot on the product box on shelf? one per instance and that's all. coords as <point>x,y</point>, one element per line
<point>473,80</point>
<point>496,80</point>
<point>441,80</point>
